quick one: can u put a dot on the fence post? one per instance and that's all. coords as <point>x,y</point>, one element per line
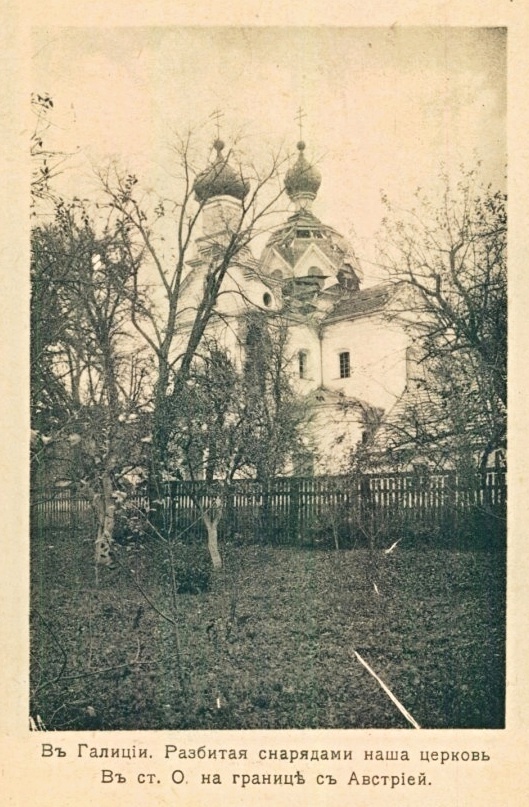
<point>294,514</point>
<point>365,508</point>
<point>231,522</point>
<point>71,504</point>
<point>265,510</point>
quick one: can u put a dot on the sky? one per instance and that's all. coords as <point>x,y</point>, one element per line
<point>384,108</point>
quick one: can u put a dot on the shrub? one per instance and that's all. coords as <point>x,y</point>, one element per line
<point>192,579</point>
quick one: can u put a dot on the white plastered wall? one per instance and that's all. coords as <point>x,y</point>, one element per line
<point>377,355</point>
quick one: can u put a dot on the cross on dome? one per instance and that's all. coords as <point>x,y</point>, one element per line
<point>216,115</point>
<point>299,119</point>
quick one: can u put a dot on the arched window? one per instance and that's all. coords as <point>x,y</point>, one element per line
<point>345,364</point>
<point>303,363</point>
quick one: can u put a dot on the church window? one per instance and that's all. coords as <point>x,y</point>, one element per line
<point>267,298</point>
<point>303,361</point>
<point>345,364</point>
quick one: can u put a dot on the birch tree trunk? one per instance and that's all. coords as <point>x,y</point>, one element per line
<point>105,508</point>
<point>211,520</point>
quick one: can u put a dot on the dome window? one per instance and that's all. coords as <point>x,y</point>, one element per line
<point>303,362</point>
<point>267,299</point>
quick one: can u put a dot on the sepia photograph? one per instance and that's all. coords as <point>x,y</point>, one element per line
<point>268,378</point>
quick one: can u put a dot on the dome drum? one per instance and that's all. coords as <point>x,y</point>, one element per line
<point>221,215</point>
<point>304,237</point>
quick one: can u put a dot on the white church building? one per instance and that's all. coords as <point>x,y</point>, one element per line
<point>346,355</point>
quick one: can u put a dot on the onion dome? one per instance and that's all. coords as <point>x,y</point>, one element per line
<point>303,180</point>
<point>220,179</point>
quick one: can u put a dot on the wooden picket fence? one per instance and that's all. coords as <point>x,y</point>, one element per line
<point>69,509</point>
<point>350,509</point>
<point>317,510</point>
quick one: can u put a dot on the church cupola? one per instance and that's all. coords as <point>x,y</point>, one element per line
<point>220,179</point>
<point>306,257</point>
<point>302,181</point>
<point>220,189</point>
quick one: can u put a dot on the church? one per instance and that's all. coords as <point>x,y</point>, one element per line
<point>347,356</point>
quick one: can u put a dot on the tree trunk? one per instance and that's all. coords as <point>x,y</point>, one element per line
<point>105,507</point>
<point>212,521</point>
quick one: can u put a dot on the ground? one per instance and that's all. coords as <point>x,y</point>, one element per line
<point>271,644</point>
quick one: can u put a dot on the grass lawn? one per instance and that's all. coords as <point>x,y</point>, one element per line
<point>270,644</point>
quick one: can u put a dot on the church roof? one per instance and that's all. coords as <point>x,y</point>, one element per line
<point>325,396</point>
<point>293,238</point>
<point>362,303</point>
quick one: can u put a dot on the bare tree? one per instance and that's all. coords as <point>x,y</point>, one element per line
<point>225,424</point>
<point>79,323</point>
<point>450,258</point>
<point>46,163</point>
<point>87,375</point>
<point>174,325</point>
